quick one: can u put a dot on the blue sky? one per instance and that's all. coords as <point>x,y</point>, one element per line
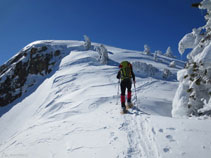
<point>125,24</point>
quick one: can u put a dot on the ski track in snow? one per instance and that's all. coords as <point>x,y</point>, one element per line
<point>140,136</point>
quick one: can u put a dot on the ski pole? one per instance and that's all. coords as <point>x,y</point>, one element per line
<point>135,92</point>
<point>118,93</point>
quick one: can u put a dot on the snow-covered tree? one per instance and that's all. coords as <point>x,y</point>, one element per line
<point>87,43</point>
<point>159,52</point>
<point>206,109</point>
<point>156,56</point>
<point>194,91</point>
<point>190,40</point>
<point>144,69</point>
<point>147,49</point>
<point>148,70</point>
<point>103,54</point>
<point>166,73</point>
<point>172,64</point>
<point>169,52</point>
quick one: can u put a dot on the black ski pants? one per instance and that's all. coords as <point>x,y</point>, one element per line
<point>125,84</point>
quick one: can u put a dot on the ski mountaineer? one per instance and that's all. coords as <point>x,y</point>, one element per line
<point>126,74</point>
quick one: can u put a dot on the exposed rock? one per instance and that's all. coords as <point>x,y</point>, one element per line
<point>14,74</point>
<point>57,53</point>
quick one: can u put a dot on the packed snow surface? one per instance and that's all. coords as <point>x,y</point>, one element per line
<point>75,112</point>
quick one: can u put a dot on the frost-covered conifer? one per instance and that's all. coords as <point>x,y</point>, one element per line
<point>166,73</point>
<point>147,49</point>
<point>159,52</point>
<point>103,54</point>
<point>156,56</point>
<point>148,70</point>
<point>169,52</point>
<point>87,43</point>
<point>194,91</point>
<point>172,64</point>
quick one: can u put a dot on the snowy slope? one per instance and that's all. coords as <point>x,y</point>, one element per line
<point>73,113</point>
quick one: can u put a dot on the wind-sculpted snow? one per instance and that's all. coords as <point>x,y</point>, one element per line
<point>73,113</point>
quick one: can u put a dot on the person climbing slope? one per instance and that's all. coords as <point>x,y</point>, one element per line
<point>126,74</point>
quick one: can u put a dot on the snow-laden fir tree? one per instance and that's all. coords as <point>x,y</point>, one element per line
<point>155,56</point>
<point>87,43</point>
<point>159,52</point>
<point>166,73</point>
<point>147,49</point>
<point>193,96</point>
<point>172,64</point>
<point>144,69</point>
<point>169,52</point>
<point>103,54</point>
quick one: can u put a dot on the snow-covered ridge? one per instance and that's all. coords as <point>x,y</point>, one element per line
<point>29,67</point>
<point>73,112</point>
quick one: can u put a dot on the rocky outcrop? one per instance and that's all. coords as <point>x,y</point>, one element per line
<point>14,75</point>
